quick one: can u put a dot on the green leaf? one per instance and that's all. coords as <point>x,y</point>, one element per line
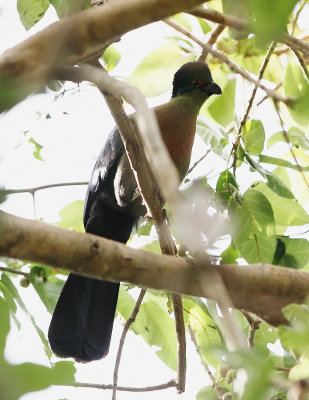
<point>296,252</point>
<point>213,135</point>
<point>297,87</point>
<point>264,335</point>
<point>14,292</point>
<point>9,298</point>
<point>296,137</point>
<point>270,17</point>
<point>31,11</point>
<point>273,181</point>
<point>230,255</point>
<point>30,377</point>
<point>5,324</point>
<point>10,93</point>
<point>207,393</point>
<point>111,57</point>
<point>204,25</point>
<point>295,336</point>
<point>38,148</point>
<point>144,228</point>
<point>226,185</point>
<point>68,7</point>
<point>300,370</point>
<point>182,20</point>
<point>153,324</point>
<point>204,328</point>
<point>224,102</point>
<point>152,76</point>
<point>287,212</point>
<point>259,369</point>
<point>47,286</point>
<point>239,9</point>
<point>253,136</point>
<point>254,234</point>
<point>279,161</point>
<point>71,216</point>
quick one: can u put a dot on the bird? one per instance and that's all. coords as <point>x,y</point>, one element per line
<point>82,322</point>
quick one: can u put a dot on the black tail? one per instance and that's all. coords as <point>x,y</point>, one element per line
<point>82,323</point>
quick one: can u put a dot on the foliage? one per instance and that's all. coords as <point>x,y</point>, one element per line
<point>261,182</point>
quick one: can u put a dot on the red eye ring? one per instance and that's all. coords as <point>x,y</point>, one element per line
<point>196,83</point>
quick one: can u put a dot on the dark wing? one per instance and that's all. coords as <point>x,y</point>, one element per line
<point>101,185</point>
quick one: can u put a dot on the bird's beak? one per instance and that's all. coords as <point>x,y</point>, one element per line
<point>212,88</point>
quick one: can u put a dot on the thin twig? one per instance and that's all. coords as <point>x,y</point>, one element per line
<point>212,40</point>
<point>279,84</point>
<point>181,343</point>
<point>198,161</point>
<point>208,372</point>
<point>302,63</point>
<point>34,189</point>
<point>287,139</point>
<point>254,325</point>
<point>244,119</point>
<point>234,67</point>
<point>126,328</point>
<point>162,386</point>
<point>294,23</point>
<point>14,271</point>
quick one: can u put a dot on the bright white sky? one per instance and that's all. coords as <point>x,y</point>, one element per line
<point>72,140</point>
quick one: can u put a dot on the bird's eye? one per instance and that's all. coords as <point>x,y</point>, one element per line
<point>196,83</point>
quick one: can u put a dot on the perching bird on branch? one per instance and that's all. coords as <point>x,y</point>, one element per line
<point>82,322</point>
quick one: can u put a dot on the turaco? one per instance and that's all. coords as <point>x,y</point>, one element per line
<point>82,322</point>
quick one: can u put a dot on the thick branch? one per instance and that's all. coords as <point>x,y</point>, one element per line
<point>259,288</point>
<point>82,36</point>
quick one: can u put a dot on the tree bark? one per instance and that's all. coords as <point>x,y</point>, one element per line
<point>81,36</point>
<point>260,288</point>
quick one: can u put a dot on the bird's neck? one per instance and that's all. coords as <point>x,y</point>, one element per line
<point>191,102</point>
<point>177,120</point>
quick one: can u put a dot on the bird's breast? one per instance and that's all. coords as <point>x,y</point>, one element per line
<point>178,135</point>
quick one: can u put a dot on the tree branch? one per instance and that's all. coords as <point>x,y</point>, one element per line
<point>80,37</point>
<point>34,189</point>
<point>126,328</point>
<point>207,370</point>
<point>162,386</point>
<point>14,271</point>
<point>243,25</point>
<point>212,40</point>
<point>163,169</point>
<point>265,289</point>
<point>245,117</point>
<point>153,202</point>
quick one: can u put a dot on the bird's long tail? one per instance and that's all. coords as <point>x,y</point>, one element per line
<point>82,322</point>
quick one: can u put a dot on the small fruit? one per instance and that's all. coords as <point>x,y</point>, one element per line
<point>24,282</point>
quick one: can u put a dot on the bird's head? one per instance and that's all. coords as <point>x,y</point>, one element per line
<point>194,77</point>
